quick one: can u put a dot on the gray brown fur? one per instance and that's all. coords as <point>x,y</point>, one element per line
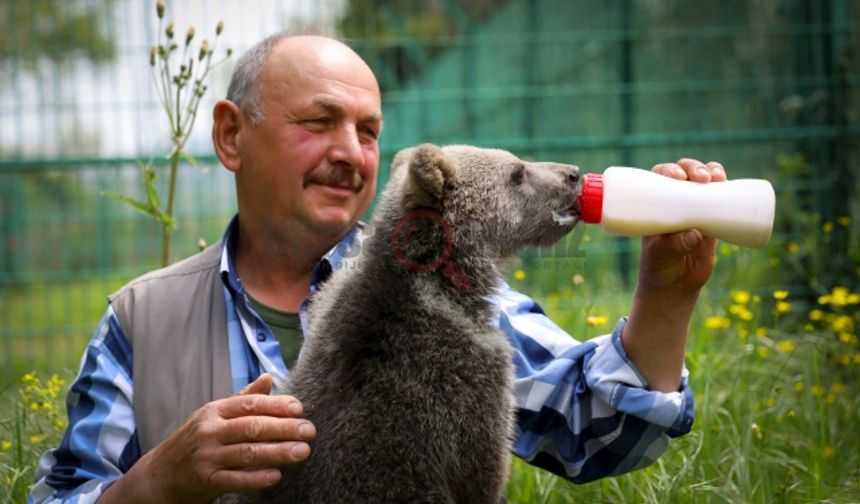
<point>406,380</point>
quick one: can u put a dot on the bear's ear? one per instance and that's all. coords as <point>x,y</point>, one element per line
<point>429,170</point>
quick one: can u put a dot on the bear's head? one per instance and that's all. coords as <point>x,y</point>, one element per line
<point>477,202</point>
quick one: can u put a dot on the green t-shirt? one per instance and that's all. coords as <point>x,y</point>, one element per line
<point>285,326</point>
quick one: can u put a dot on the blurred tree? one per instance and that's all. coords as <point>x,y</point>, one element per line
<point>399,37</point>
<point>56,30</point>
<point>34,33</point>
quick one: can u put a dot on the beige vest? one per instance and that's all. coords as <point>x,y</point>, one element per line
<point>176,323</point>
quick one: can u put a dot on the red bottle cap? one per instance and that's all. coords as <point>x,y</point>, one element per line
<point>591,198</point>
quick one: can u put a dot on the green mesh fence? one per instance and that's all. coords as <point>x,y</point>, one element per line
<point>768,88</point>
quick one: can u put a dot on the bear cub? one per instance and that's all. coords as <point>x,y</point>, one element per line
<point>403,373</point>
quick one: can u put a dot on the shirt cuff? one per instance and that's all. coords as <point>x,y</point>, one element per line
<point>614,379</point>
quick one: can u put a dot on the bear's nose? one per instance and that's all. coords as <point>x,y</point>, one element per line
<point>572,174</point>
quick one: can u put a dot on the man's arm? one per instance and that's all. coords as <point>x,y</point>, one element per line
<point>99,443</point>
<point>228,445</point>
<point>672,270</point>
<point>583,410</point>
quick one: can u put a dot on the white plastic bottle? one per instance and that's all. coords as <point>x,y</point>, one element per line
<point>635,202</point>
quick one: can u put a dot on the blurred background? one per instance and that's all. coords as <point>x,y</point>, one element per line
<point>769,88</point>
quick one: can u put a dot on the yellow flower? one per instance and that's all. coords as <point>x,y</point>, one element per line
<point>837,388</point>
<point>844,220</point>
<point>830,399</point>
<point>816,315</point>
<point>741,312</point>
<point>827,227</point>
<point>29,377</point>
<point>799,387</point>
<point>34,406</point>
<point>761,332</point>
<point>740,297</point>
<point>37,438</point>
<point>844,359</point>
<point>725,249</point>
<point>791,414</point>
<point>5,446</point>
<point>816,391</point>
<point>596,321</point>
<point>829,451</point>
<point>785,346</point>
<point>839,296</point>
<point>848,338</point>
<point>763,352</point>
<point>783,307</point>
<point>756,430</point>
<point>717,322</point>
<point>842,323</point>
<point>519,274</point>
<point>780,295</point>
<point>792,247</point>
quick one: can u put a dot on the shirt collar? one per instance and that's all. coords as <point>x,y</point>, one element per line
<point>331,261</point>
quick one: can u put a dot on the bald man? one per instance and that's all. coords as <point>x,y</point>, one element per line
<point>172,400</point>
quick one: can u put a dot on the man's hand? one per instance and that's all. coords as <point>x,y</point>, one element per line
<point>672,269</point>
<point>683,260</point>
<point>229,445</point>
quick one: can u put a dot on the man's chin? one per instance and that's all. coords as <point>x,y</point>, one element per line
<point>335,224</point>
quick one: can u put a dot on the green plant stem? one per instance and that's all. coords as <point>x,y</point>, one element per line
<point>167,228</point>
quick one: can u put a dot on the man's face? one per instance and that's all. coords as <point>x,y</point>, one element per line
<point>313,159</point>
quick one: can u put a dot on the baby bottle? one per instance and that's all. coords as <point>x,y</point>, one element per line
<point>635,202</point>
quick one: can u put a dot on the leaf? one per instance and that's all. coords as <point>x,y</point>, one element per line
<point>143,207</point>
<point>188,157</point>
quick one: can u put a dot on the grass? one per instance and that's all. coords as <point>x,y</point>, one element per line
<point>774,369</point>
<point>775,377</point>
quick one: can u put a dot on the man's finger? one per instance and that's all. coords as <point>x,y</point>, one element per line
<point>696,170</point>
<point>248,455</point>
<point>670,170</point>
<point>226,480</point>
<point>718,173</point>
<point>266,428</point>
<point>259,405</point>
<point>262,385</point>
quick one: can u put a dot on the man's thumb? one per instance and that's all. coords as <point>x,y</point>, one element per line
<point>262,385</point>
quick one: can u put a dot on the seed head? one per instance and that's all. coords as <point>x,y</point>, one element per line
<point>153,52</point>
<point>219,27</point>
<point>169,30</point>
<point>189,36</point>
<point>204,50</point>
<point>159,8</point>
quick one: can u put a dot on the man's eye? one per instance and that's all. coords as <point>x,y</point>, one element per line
<point>371,132</point>
<point>317,122</point>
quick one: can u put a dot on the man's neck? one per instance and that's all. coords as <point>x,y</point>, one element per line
<point>277,270</point>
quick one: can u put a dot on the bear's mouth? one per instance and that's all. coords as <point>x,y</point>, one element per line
<point>569,216</point>
<point>566,217</point>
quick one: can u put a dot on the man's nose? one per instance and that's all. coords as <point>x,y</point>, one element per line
<point>346,148</point>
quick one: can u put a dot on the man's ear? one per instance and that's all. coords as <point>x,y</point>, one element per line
<point>227,121</point>
<point>429,171</point>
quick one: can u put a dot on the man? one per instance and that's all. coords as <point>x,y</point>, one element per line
<point>171,403</point>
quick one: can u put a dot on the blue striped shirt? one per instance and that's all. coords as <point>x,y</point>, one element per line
<point>583,410</point>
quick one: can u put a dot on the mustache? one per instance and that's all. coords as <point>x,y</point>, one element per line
<point>335,176</point>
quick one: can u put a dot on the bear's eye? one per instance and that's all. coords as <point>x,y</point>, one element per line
<point>518,174</point>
